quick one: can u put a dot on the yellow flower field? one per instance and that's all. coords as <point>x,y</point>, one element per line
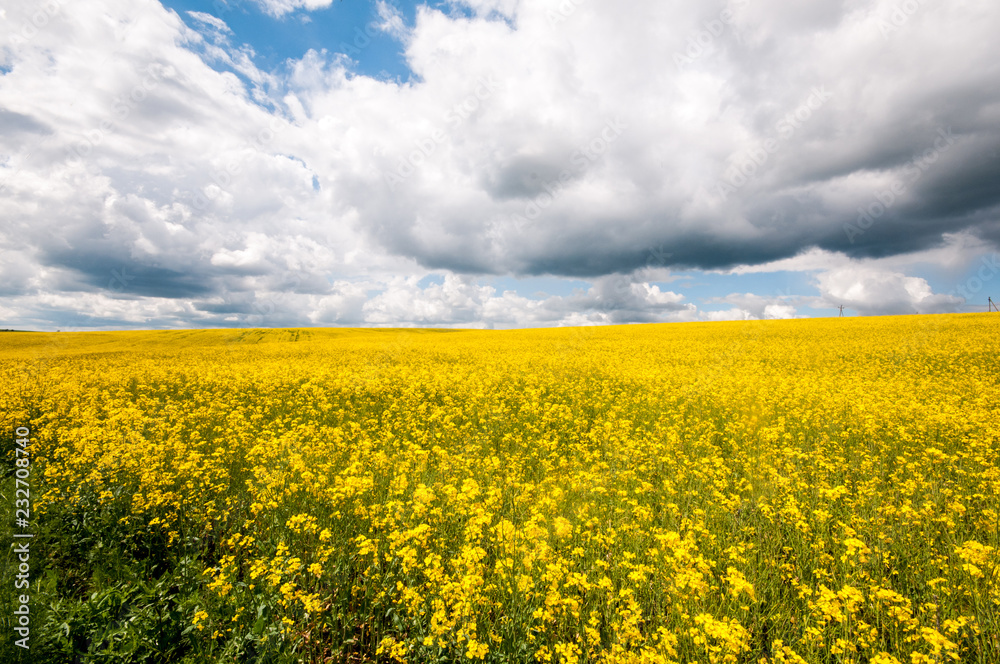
<point>819,490</point>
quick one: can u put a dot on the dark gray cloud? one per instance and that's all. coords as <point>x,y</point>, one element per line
<point>813,115</point>
<point>12,124</point>
<point>121,276</point>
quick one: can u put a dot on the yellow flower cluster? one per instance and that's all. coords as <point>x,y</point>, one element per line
<point>782,491</point>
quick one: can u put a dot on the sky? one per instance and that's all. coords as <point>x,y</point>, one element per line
<point>494,163</point>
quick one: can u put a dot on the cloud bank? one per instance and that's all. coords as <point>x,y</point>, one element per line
<point>152,174</point>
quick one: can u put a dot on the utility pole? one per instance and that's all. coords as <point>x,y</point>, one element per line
<point>992,305</point>
<point>841,311</point>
